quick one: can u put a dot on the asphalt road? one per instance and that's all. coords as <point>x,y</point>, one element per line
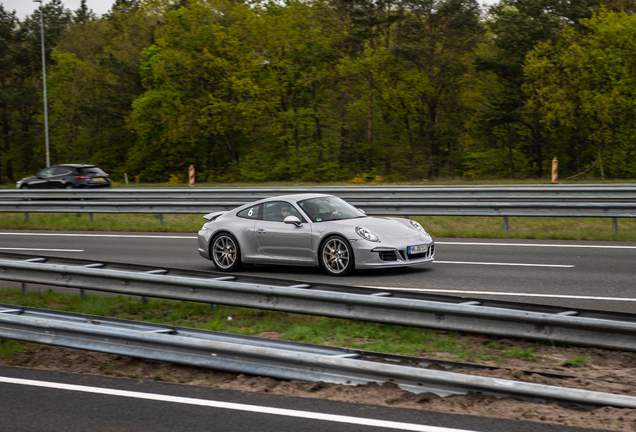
<point>36,400</point>
<point>590,275</point>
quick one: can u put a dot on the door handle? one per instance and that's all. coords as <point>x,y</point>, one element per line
<point>261,231</point>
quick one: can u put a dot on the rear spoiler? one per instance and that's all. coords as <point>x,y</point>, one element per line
<point>212,216</point>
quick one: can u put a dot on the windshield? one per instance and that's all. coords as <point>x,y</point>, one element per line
<point>329,208</point>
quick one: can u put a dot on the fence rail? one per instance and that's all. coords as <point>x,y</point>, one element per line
<point>468,317</point>
<point>625,193</point>
<point>283,360</point>
<point>613,202</point>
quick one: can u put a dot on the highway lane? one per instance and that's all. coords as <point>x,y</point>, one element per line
<point>39,400</point>
<point>592,275</point>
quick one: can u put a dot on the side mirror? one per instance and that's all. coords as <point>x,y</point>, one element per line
<point>362,211</point>
<point>293,220</point>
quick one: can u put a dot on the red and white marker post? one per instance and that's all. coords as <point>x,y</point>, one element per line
<point>555,170</point>
<point>191,175</point>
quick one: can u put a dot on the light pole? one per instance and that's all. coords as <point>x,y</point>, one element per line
<point>46,112</point>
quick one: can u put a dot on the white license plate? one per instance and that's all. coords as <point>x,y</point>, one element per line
<point>98,179</point>
<point>417,249</point>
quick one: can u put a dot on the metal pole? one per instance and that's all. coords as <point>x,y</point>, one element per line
<point>46,112</point>
<point>506,226</point>
<point>615,226</point>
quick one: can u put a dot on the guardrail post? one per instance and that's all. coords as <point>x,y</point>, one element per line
<point>24,289</point>
<point>83,294</point>
<point>160,218</point>
<point>26,217</point>
<point>506,226</point>
<point>90,215</point>
<point>615,226</point>
<point>144,300</point>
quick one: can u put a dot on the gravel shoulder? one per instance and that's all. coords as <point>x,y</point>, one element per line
<point>605,371</point>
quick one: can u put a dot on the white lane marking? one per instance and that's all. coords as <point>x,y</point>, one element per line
<point>45,250</point>
<point>233,406</point>
<point>537,245</point>
<point>99,235</point>
<point>503,264</point>
<point>496,293</point>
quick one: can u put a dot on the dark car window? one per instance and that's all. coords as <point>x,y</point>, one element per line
<point>251,212</point>
<point>91,170</point>
<point>46,172</point>
<point>279,210</point>
<point>59,171</point>
<point>326,208</point>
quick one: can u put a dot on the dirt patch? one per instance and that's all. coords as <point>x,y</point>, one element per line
<point>609,371</point>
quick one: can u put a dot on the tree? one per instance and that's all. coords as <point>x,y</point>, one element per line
<point>434,38</point>
<point>585,83</point>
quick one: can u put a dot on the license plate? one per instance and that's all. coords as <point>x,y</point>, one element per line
<point>98,179</point>
<point>417,249</point>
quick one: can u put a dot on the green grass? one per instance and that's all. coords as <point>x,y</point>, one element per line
<point>9,348</point>
<point>576,362</point>
<point>391,339</point>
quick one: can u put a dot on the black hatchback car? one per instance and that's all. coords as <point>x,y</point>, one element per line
<point>67,176</point>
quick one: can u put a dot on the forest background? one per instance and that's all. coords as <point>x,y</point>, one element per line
<point>323,90</point>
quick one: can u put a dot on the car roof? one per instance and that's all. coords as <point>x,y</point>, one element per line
<point>75,165</point>
<point>295,197</point>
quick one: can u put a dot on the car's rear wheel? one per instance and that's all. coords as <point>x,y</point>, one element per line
<point>225,252</point>
<point>69,186</point>
<point>336,256</point>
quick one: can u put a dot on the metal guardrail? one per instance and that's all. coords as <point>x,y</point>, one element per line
<point>622,193</point>
<point>282,360</point>
<point>617,201</point>
<point>531,209</point>
<point>378,307</point>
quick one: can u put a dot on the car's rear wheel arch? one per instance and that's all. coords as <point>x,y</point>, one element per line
<point>225,266</point>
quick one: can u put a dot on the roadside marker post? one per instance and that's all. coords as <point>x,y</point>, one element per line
<point>555,170</point>
<point>191,175</point>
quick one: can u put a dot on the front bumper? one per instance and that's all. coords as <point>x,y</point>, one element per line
<point>373,255</point>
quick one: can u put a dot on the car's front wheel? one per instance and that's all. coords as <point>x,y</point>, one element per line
<point>336,256</point>
<point>225,252</point>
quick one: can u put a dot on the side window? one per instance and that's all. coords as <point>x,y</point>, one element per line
<point>46,173</point>
<point>251,212</point>
<point>60,171</point>
<point>278,210</point>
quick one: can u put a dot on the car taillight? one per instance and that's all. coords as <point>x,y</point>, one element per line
<point>105,175</point>
<point>82,177</point>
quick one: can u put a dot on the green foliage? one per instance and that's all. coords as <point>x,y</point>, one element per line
<point>323,90</point>
<point>584,82</point>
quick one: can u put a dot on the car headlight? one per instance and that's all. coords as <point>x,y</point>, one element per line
<point>419,227</point>
<point>366,234</point>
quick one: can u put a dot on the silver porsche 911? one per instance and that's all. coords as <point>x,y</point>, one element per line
<point>311,230</point>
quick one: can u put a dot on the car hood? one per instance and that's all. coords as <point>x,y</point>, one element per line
<point>385,228</point>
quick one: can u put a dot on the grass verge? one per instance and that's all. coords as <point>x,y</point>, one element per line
<point>390,339</point>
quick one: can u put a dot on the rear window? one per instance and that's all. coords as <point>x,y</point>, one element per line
<point>92,170</point>
<point>251,212</point>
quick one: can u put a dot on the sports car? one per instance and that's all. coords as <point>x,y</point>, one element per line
<point>312,230</point>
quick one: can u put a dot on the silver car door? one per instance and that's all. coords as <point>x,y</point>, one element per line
<point>281,241</point>
<point>244,227</point>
